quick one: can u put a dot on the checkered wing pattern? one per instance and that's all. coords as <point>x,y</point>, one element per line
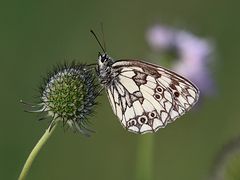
<point>146,97</point>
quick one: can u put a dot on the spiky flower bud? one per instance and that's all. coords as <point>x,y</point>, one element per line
<point>68,95</point>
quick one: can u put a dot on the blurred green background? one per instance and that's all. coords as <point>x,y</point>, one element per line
<point>35,35</point>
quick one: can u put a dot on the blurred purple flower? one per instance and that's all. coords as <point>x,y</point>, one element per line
<point>194,54</point>
<point>160,38</point>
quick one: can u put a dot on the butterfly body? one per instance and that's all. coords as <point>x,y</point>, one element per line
<point>144,96</point>
<point>104,69</point>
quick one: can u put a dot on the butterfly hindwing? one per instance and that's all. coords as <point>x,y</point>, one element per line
<point>146,97</point>
<point>184,93</point>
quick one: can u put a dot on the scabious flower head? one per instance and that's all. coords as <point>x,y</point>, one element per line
<point>193,55</point>
<point>68,94</point>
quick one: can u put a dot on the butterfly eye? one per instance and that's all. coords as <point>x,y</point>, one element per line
<point>102,59</point>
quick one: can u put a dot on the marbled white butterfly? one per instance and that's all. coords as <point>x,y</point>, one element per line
<point>144,96</point>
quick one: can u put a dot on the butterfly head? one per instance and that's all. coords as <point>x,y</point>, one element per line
<point>104,61</point>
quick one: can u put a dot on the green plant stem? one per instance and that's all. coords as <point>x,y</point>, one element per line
<point>145,158</point>
<point>35,152</point>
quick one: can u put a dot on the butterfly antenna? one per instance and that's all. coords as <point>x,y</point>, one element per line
<point>95,36</point>
<point>104,44</point>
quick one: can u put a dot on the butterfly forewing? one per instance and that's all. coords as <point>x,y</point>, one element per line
<point>146,97</point>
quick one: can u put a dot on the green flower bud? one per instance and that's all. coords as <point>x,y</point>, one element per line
<point>68,94</point>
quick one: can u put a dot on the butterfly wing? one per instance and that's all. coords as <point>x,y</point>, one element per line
<point>146,97</point>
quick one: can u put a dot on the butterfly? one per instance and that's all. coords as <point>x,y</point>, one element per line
<point>145,97</point>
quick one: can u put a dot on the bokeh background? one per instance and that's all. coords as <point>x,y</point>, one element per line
<point>36,35</point>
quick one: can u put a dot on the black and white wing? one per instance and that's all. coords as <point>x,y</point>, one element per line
<point>146,97</point>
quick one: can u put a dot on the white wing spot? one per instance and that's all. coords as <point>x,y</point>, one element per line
<point>179,89</point>
<point>120,89</point>
<point>162,82</point>
<point>124,121</point>
<point>126,69</point>
<point>173,114</point>
<point>191,92</point>
<point>190,99</point>
<point>168,96</point>
<point>119,112</point>
<point>138,108</point>
<point>157,123</point>
<point>146,89</point>
<point>133,129</point>
<point>129,84</point>
<point>150,78</point>
<point>182,100</point>
<point>166,79</point>
<point>129,113</point>
<point>129,73</point>
<point>164,116</point>
<point>145,128</point>
<point>129,68</point>
<point>184,84</point>
<point>147,105</point>
<point>111,100</point>
<point>168,106</point>
<point>150,83</point>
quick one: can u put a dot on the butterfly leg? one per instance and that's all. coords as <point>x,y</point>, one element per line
<point>99,92</point>
<point>93,64</point>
